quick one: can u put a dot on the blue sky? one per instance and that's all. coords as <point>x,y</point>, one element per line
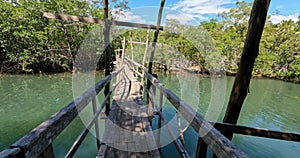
<point>194,11</point>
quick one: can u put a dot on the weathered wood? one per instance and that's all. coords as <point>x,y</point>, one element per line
<point>201,149</point>
<point>143,63</point>
<point>135,42</point>
<point>131,46</point>
<point>96,123</point>
<point>97,21</point>
<point>11,153</point>
<point>137,25</point>
<point>159,121</point>
<point>92,122</point>
<point>123,49</point>
<point>155,39</point>
<point>107,53</point>
<point>179,128</point>
<point>102,151</point>
<point>260,132</point>
<point>36,141</point>
<point>72,18</point>
<point>219,144</point>
<point>48,153</point>
<point>250,52</point>
<point>179,146</point>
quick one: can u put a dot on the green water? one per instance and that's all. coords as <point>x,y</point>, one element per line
<point>26,101</point>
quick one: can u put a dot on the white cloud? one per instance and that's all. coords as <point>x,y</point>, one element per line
<point>129,17</point>
<point>198,8</point>
<point>278,18</point>
<point>181,17</point>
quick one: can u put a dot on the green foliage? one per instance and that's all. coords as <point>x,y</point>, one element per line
<point>31,43</point>
<point>279,47</point>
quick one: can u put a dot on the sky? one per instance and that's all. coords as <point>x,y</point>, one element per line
<point>195,11</point>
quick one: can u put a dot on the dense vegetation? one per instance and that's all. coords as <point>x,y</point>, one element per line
<point>279,55</point>
<point>30,43</point>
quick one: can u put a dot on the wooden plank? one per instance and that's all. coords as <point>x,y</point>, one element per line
<point>97,21</point>
<point>102,151</point>
<point>260,132</point>
<point>250,52</point>
<point>135,42</point>
<point>201,148</point>
<point>48,153</point>
<point>72,18</point>
<point>137,25</point>
<point>219,144</point>
<point>152,146</point>
<point>11,153</point>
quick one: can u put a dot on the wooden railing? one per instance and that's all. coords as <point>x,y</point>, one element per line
<point>38,142</point>
<point>219,144</point>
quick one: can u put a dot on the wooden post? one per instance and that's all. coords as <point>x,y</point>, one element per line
<point>48,153</point>
<point>159,120</point>
<point>151,105</point>
<point>156,36</point>
<point>96,123</point>
<point>201,148</point>
<point>123,49</point>
<point>250,52</point>
<point>143,62</point>
<point>153,48</point>
<point>107,54</point>
<point>179,128</point>
<point>131,45</point>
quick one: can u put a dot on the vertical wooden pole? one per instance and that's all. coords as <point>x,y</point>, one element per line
<point>201,148</point>
<point>156,36</point>
<point>250,52</point>
<point>159,121</point>
<point>153,48</point>
<point>48,153</point>
<point>123,49</point>
<point>107,54</point>
<point>96,123</point>
<point>143,62</point>
<point>179,128</point>
<point>131,45</point>
<point>151,105</point>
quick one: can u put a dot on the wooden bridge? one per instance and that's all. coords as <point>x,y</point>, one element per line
<point>128,126</point>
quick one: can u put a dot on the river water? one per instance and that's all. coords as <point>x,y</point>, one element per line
<point>27,100</point>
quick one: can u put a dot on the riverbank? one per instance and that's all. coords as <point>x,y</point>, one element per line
<point>179,70</point>
<point>227,73</point>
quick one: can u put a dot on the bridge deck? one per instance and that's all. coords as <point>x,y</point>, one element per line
<point>128,132</point>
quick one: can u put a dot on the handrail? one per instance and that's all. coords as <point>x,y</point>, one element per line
<point>37,141</point>
<point>219,144</point>
<point>84,133</point>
